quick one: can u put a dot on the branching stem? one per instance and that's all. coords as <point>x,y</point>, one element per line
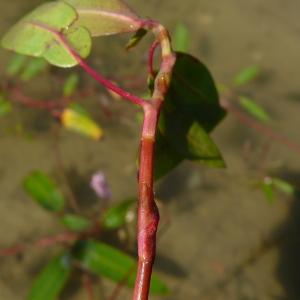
<point>148,215</point>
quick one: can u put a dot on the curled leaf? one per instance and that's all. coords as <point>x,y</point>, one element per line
<point>136,38</point>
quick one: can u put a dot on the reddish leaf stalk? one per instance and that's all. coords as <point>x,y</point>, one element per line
<point>151,58</point>
<point>98,77</point>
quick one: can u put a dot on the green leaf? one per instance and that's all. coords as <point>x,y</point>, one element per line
<point>105,260</point>
<point>105,17</point>
<point>284,186</point>
<point>75,222</point>
<point>70,85</point>
<point>79,121</point>
<point>267,187</point>
<point>193,92</point>
<point>254,109</point>
<point>47,32</point>
<point>181,38</point>
<point>42,189</point>
<point>166,158</point>
<point>189,139</point>
<point>136,38</point>
<point>115,217</point>
<point>5,106</point>
<point>246,75</point>
<point>50,282</point>
<point>15,65</point>
<point>191,110</point>
<point>33,68</point>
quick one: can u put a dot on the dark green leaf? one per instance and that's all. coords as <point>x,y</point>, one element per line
<point>189,139</point>
<point>70,85</point>
<point>166,158</point>
<point>190,111</point>
<point>42,189</point>
<point>105,17</point>
<point>181,38</point>
<point>246,75</point>
<point>33,68</point>
<point>254,109</point>
<point>136,38</point>
<point>75,222</point>
<point>193,92</point>
<point>50,282</point>
<point>104,260</point>
<point>46,32</point>
<point>115,216</point>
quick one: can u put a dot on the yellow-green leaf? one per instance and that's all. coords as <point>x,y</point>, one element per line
<point>246,75</point>
<point>254,109</point>
<point>81,123</point>
<point>47,32</point>
<point>105,17</point>
<point>181,38</point>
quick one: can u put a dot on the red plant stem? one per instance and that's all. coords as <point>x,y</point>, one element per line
<point>148,216</point>
<point>61,238</point>
<point>88,285</point>
<point>45,105</point>
<point>151,58</point>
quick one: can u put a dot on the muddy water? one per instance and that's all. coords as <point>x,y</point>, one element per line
<point>223,241</point>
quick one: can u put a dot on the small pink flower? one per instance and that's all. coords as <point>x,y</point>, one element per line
<point>100,186</point>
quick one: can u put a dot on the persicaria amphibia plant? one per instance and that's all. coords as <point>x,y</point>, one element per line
<point>183,108</point>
